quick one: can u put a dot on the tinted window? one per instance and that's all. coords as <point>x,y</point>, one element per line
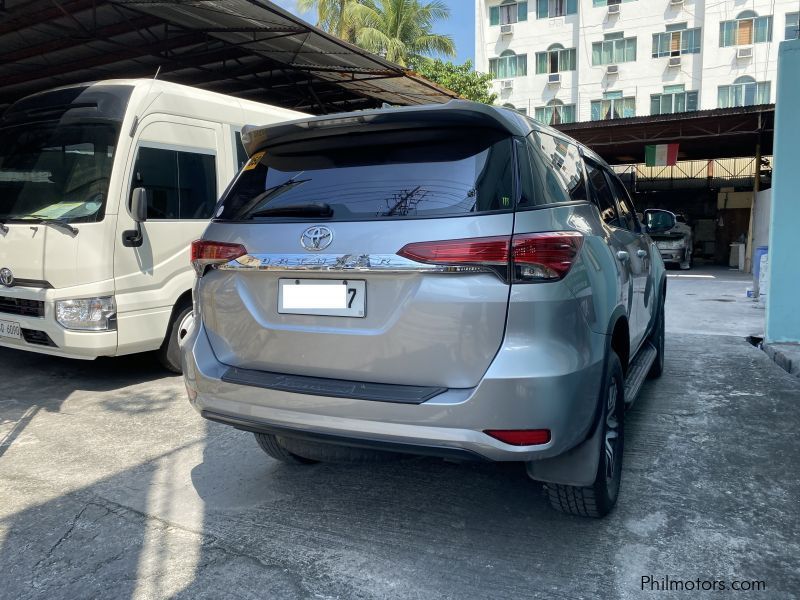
<point>626,213</point>
<point>557,169</point>
<point>602,194</point>
<point>180,185</point>
<point>391,175</point>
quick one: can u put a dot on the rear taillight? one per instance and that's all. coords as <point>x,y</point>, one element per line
<point>545,256</point>
<point>206,253</point>
<point>528,257</point>
<point>520,437</point>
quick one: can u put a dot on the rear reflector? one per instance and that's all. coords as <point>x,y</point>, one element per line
<point>530,257</point>
<point>520,437</point>
<point>207,253</point>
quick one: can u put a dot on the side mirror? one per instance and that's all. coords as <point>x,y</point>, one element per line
<point>139,205</point>
<point>658,221</point>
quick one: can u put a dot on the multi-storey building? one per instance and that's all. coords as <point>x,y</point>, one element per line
<point>581,60</point>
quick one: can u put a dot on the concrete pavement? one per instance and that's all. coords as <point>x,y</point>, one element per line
<point>112,487</point>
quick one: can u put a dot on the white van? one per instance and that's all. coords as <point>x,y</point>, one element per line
<point>103,187</point>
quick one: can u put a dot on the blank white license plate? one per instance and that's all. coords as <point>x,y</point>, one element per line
<point>326,297</point>
<point>9,329</point>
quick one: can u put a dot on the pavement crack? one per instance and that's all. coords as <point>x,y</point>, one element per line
<point>64,536</point>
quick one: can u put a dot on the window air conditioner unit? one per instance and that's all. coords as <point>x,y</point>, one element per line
<point>613,9</point>
<point>507,84</point>
<point>674,61</point>
<point>506,29</point>
<point>554,78</point>
<point>612,70</point>
<point>744,52</point>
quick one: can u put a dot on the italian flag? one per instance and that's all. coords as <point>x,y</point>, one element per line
<point>663,155</point>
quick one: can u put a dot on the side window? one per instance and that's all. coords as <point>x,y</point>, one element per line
<point>626,212</point>
<point>180,185</point>
<point>602,194</point>
<point>557,169</point>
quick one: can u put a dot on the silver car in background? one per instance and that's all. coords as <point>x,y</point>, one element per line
<point>455,281</point>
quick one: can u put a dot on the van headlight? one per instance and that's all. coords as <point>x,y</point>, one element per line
<point>87,314</point>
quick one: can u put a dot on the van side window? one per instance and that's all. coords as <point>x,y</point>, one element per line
<point>626,211</point>
<point>603,197</point>
<point>181,185</point>
<point>556,167</point>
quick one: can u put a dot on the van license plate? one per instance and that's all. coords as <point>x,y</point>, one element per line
<point>325,297</point>
<point>9,329</point>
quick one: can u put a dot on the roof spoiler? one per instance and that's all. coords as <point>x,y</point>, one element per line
<point>456,113</point>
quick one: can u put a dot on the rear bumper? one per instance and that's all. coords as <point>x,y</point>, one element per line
<point>560,395</point>
<point>675,256</point>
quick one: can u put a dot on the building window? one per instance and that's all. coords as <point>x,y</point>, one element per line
<point>615,48</point>
<point>508,12</point>
<point>676,40</point>
<point>608,2</point>
<point>508,65</point>
<point>555,60</point>
<point>555,8</point>
<point>745,91</point>
<point>555,113</point>
<point>748,28</point>
<point>674,100</point>
<point>613,106</point>
<point>792,26</point>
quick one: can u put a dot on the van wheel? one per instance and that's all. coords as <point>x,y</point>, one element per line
<point>598,499</point>
<point>169,355</point>
<point>274,449</point>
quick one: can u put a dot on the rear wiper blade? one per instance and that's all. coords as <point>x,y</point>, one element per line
<point>307,209</point>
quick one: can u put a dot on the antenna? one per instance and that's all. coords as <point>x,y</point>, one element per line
<point>158,70</point>
<point>135,124</point>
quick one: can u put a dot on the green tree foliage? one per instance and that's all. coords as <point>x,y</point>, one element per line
<point>400,30</point>
<point>332,16</point>
<point>461,79</point>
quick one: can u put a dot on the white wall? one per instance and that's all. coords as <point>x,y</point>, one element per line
<point>704,72</point>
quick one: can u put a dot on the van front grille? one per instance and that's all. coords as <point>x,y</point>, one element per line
<point>22,307</point>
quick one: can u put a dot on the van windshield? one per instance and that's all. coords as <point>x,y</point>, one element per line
<point>387,175</point>
<point>55,170</point>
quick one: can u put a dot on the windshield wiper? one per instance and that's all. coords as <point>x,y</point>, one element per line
<point>306,209</point>
<point>58,224</point>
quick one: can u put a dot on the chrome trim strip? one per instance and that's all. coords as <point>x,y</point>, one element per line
<point>343,263</point>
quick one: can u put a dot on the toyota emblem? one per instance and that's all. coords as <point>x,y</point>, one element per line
<point>6,277</point>
<point>316,238</point>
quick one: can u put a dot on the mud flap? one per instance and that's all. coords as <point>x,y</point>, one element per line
<point>577,466</point>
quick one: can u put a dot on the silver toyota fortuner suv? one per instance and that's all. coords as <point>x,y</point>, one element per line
<point>454,280</point>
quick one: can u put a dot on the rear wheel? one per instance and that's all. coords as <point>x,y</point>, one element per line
<point>598,499</point>
<point>272,446</point>
<point>169,355</point>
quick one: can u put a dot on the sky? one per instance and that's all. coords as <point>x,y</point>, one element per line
<point>460,25</point>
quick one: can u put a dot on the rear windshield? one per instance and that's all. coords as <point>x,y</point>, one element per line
<point>386,175</point>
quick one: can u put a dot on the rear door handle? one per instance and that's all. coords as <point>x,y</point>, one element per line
<point>641,253</point>
<point>622,255</point>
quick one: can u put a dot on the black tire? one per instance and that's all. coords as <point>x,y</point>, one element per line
<point>169,355</point>
<point>272,446</point>
<point>657,339</point>
<point>598,499</point>
<point>332,453</point>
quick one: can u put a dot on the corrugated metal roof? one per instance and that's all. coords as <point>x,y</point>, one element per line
<point>249,48</point>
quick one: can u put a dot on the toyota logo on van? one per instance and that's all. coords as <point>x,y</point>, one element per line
<point>6,277</point>
<point>316,238</point>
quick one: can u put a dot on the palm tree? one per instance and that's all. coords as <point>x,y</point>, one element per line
<point>332,16</point>
<point>400,30</point>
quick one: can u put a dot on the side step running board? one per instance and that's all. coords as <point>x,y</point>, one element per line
<point>637,372</point>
